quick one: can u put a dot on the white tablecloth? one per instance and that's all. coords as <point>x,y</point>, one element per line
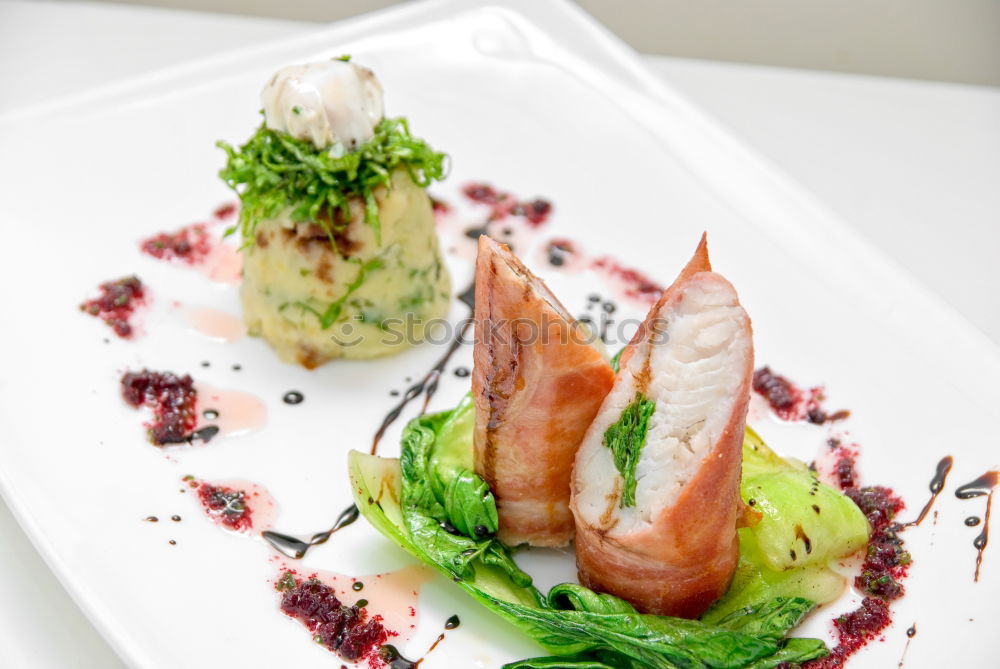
<point>914,166</point>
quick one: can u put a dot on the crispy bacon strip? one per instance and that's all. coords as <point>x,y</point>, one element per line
<point>675,550</point>
<point>537,383</point>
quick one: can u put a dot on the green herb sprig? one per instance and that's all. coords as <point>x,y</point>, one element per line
<point>625,438</point>
<point>274,172</point>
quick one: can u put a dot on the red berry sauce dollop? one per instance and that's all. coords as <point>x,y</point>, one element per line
<point>172,399</point>
<point>348,631</point>
<point>116,304</point>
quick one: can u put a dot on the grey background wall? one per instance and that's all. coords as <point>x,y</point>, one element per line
<point>946,40</point>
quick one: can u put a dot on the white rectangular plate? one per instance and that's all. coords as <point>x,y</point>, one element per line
<point>531,96</point>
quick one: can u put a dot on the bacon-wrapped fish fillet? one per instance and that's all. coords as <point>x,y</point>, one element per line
<point>656,481</point>
<point>537,383</point>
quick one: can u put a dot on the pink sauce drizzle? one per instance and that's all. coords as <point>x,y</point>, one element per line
<point>238,506</point>
<point>197,246</point>
<point>392,595</point>
<point>233,412</point>
<point>215,324</point>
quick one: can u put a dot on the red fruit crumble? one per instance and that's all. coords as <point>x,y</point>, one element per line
<point>192,244</point>
<point>227,506</point>
<point>637,285</point>
<point>791,402</point>
<point>885,564</point>
<point>172,399</point>
<point>116,304</point>
<point>503,204</point>
<point>854,630</point>
<point>348,631</point>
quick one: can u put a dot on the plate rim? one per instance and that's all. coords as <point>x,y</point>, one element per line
<point>711,149</point>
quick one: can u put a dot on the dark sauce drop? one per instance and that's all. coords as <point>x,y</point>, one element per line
<point>912,631</point>
<point>559,251</point>
<point>984,485</point>
<point>972,521</point>
<point>210,414</point>
<point>296,548</point>
<point>151,519</point>
<point>175,518</point>
<point>204,434</point>
<point>392,657</point>
<point>452,623</point>
<point>357,586</point>
<point>936,486</point>
<point>462,372</point>
<point>172,542</point>
<point>979,487</point>
<point>427,386</point>
<point>293,397</point>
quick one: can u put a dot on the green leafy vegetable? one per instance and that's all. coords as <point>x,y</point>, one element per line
<point>407,500</point>
<point>467,500</point>
<point>805,524</point>
<point>274,172</point>
<point>625,438</point>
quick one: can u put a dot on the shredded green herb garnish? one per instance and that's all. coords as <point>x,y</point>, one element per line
<point>331,314</point>
<point>274,172</point>
<point>626,438</point>
<point>286,582</point>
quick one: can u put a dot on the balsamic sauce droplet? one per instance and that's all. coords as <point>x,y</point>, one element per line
<point>972,521</point>
<point>172,542</point>
<point>293,397</point>
<point>979,487</point>
<point>175,518</point>
<point>151,519</point>
<point>912,632</point>
<point>427,386</point>
<point>452,622</point>
<point>210,414</point>
<point>296,548</point>
<point>204,434</point>
<point>936,486</point>
<point>984,485</point>
<point>391,656</point>
<point>357,585</point>
<point>462,372</point>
